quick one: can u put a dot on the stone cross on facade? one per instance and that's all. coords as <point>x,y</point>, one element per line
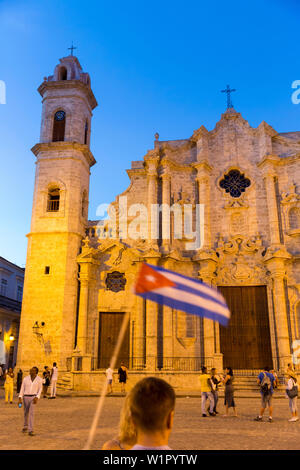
<point>228,91</point>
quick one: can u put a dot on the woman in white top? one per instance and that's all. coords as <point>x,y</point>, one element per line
<point>290,384</point>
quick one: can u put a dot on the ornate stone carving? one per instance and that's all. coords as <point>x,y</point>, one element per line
<point>239,245</point>
<point>115,281</point>
<point>241,260</point>
<point>242,273</point>
<point>290,202</point>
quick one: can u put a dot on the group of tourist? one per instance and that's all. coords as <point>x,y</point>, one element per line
<point>146,418</point>
<point>267,381</point>
<point>122,373</point>
<point>147,415</point>
<point>210,384</point>
<point>29,390</point>
<point>50,379</point>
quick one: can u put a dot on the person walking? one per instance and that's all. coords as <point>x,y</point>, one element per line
<point>46,381</point>
<point>109,377</point>
<point>266,382</point>
<point>292,395</point>
<point>30,393</point>
<point>19,380</point>
<point>53,380</point>
<point>229,392</point>
<point>122,372</point>
<point>206,387</point>
<point>9,385</point>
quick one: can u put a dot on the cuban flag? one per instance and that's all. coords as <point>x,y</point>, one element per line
<point>181,293</point>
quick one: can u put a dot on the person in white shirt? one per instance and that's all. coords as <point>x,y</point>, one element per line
<point>109,377</point>
<point>54,376</point>
<point>30,393</point>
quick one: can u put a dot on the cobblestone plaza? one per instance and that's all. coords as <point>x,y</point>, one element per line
<point>63,424</point>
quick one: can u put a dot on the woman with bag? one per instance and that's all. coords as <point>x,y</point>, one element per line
<point>292,394</point>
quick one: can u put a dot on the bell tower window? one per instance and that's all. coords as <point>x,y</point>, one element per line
<point>86,130</point>
<point>59,125</point>
<point>53,200</point>
<point>62,75</point>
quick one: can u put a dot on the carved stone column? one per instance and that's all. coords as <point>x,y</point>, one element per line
<point>151,326</point>
<point>166,200</point>
<point>88,267</point>
<point>139,330</point>
<point>83,315</point>
<point>153,229</point>
<point>168,321</point>
<point>269,173</point>
<point>202,178</point>
<point>276,263</point>
<point>213,357</point>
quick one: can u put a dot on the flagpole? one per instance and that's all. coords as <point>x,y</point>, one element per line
<point>113,361</point>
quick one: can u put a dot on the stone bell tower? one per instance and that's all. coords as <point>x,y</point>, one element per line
<point>59,217</point>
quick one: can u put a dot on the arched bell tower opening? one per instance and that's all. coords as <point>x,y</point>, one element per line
<point>59,126</point>
<point>63,73</point>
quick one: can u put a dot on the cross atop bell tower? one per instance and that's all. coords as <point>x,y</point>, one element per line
<point>228,91</point>
<point>72,48</point>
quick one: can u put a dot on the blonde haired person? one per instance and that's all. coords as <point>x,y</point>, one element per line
<point>292,394</point>
<point>9,385</point>
<point>127,434</point>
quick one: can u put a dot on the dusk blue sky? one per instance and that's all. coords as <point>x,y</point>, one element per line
<point>155,66</point>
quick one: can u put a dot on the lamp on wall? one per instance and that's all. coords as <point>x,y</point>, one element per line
<point>11,338</point>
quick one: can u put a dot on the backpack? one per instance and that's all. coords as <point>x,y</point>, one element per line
<point>293,392</point>
<point>265,385</point>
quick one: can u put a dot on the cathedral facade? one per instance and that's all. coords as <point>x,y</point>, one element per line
<point>226,206</point>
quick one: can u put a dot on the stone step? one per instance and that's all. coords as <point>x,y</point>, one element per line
<point>65,382</point>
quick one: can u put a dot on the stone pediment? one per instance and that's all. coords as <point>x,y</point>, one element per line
<point>229,118</point>
<point>108,245</point>
<point>150,253</point>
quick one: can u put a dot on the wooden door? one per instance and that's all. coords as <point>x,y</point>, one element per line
<point>109,328</point>
<point>246,342</point>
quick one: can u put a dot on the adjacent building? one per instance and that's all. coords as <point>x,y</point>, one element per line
<point>11,292</point>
